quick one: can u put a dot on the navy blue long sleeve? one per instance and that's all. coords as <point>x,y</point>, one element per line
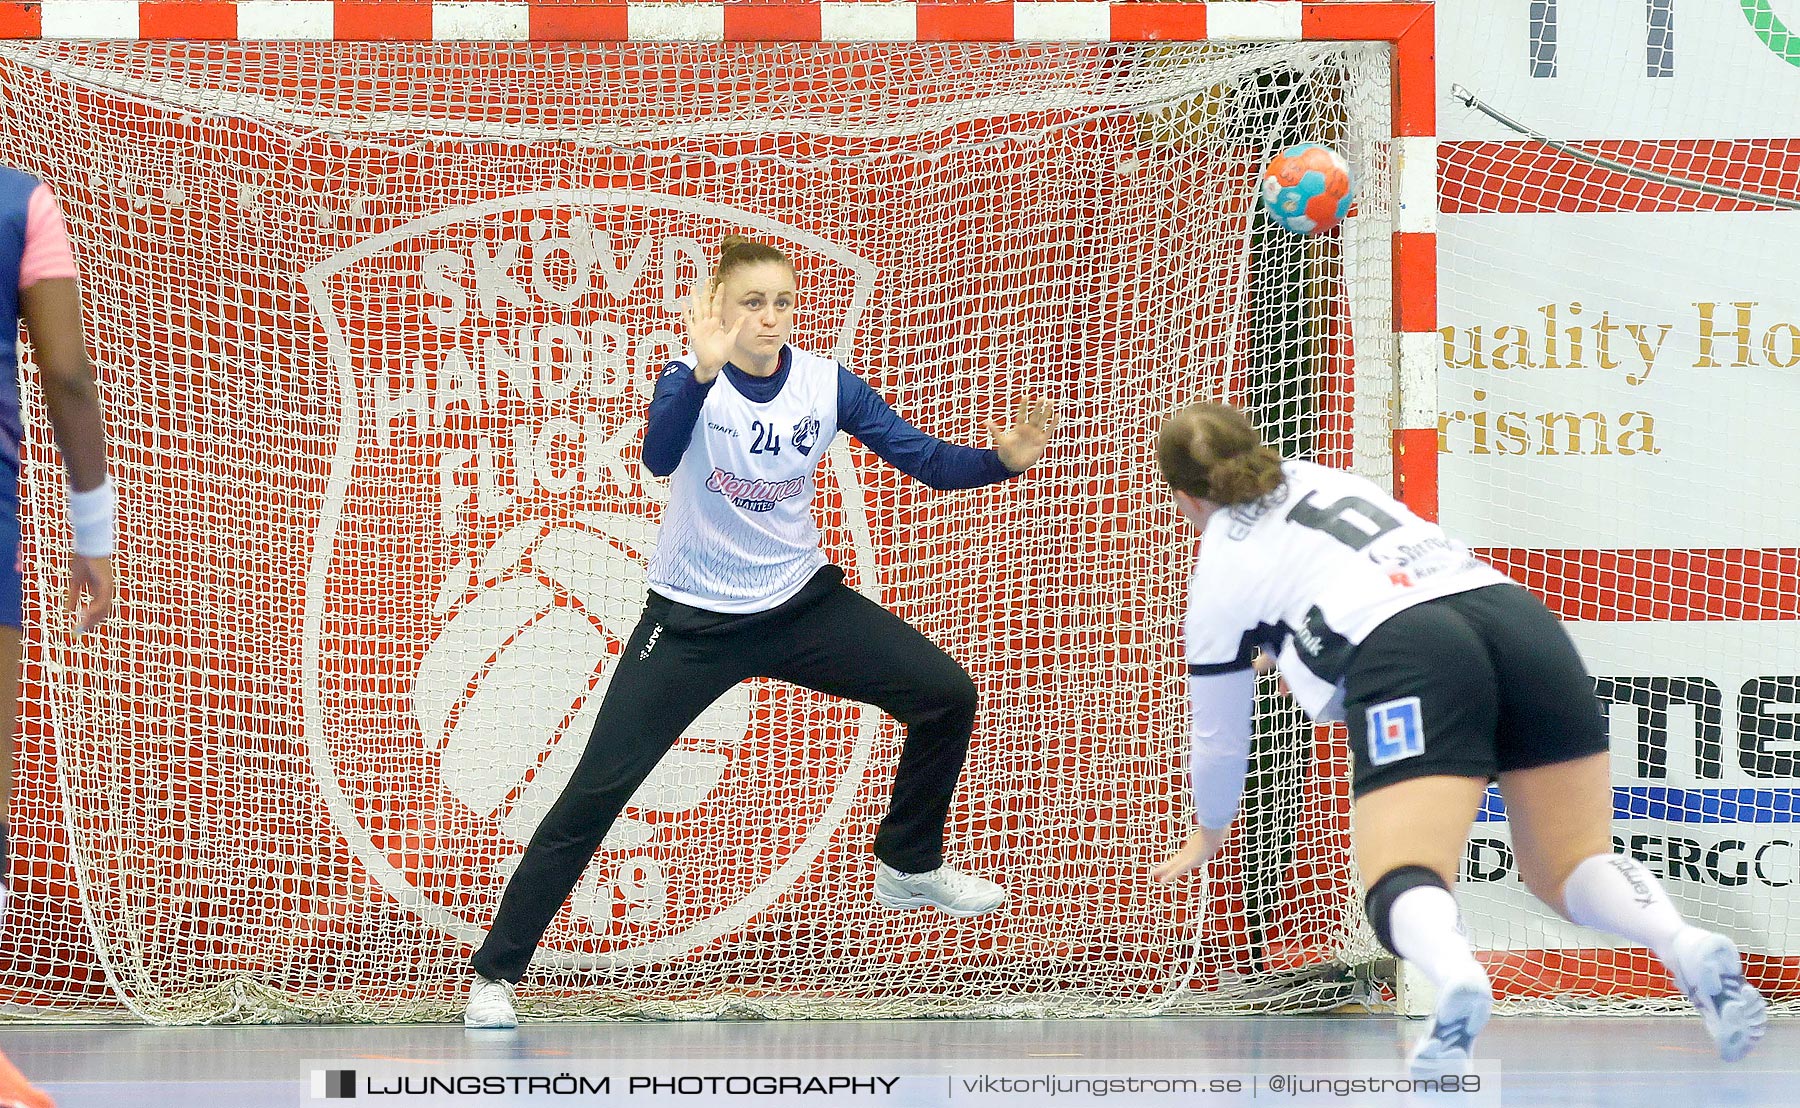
<point>674,409</point>
<point>942,465</point>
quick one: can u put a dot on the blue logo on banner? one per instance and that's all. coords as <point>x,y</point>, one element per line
<point>1396,731</point>
<point>1678,805</point>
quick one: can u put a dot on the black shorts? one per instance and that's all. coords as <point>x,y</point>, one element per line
<point>1469,685</point>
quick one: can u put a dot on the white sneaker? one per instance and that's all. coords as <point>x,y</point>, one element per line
<point>1708,970</point>
<point>1463,1007</point>
<point>946,889</point>
<point>490,1005</point>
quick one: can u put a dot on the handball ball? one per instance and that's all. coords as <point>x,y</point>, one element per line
<point>1307,188</point>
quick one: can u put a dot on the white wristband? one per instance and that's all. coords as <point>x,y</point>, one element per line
<point>92,514</point>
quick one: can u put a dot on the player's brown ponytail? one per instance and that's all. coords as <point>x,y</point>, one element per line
<point>1211,451</point>
<point>737,251</point>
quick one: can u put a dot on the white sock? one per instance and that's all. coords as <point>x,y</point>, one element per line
<point>1615,893</point>
<point>1423,925</point>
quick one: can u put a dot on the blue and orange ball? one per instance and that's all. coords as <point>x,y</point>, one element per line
<point>1307,189</point>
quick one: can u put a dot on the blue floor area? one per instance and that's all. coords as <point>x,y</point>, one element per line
<point>1568,1063</point>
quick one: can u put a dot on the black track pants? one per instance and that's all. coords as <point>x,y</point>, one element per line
<point>677,662</point>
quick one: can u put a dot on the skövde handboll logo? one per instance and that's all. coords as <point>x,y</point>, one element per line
<point>513,672</point>
<point>481,559</point>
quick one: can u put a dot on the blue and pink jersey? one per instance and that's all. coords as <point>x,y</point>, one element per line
<point>34,246</point>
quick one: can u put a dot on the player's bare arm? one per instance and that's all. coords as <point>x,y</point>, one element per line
<point>51,310</point>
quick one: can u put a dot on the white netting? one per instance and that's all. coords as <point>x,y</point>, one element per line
<point>376,326</point>
<point>1620,332</point>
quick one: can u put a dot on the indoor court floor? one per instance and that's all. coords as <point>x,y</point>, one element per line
<point>1569,1063</point>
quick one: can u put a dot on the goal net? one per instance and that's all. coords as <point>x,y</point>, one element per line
<point>377,325</point>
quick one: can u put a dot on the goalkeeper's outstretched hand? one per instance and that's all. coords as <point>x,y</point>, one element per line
<point>1022,444</point>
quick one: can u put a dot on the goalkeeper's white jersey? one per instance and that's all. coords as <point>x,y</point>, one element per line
<point>1308,572</point>
<point>738,533</point>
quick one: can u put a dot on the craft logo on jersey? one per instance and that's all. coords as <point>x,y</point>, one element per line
<point>480,560</point>
<point>1396,731</point>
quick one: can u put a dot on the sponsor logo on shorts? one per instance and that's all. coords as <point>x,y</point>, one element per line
<point>1396,731</point>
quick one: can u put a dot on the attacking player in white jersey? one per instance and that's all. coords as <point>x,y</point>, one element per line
<point>739,588</point>
<point>1448,676</point>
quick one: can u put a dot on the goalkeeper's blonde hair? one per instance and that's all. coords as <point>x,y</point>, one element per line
<point>1212,451</point>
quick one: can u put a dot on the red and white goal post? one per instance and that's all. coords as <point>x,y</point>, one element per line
<point>377,290</point>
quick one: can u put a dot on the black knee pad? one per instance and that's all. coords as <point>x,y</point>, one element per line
<point>1385,891</point>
